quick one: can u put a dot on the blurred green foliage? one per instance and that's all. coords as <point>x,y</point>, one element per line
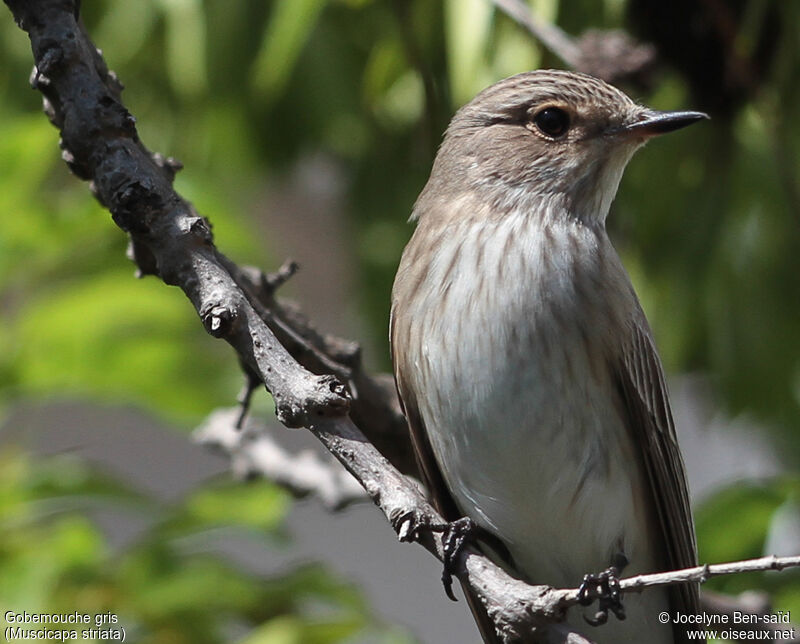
<point>708,221</point>
<point>161,588</point>
<point>735,524</point>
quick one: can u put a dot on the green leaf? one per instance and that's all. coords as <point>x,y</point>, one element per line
<point>289,28</point>
<point>467,29</point>
<point>185,45</point>
<point>116,337</point>
<point>255,504</point>
<point>733,523</point>
<point>292,630</point>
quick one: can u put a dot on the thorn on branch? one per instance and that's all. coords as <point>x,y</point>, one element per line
<point>170,165</point>
<point>198,227</point>
<point>273,281</point>
<point>251,383</point>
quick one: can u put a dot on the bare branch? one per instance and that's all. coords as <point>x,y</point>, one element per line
<point>612,55</point>
<point>374,405</point>
<point>701,574</point>
<point>101,144</point>
<point>254,451</point>
<point>551,36</point>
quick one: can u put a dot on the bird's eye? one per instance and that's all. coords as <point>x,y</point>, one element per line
<point>552,121</point>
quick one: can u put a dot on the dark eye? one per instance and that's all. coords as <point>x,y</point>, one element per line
<point>552,121</point>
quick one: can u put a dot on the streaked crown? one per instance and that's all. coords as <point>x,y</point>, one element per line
<point>544,135</point>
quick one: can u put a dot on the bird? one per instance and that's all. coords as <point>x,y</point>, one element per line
<point>525,365</point>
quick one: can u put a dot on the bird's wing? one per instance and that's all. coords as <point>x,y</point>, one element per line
<point>426,462</point>
<point>644,393</point>
<point>432,475</point>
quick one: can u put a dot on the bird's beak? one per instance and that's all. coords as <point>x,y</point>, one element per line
<point>653,123</point>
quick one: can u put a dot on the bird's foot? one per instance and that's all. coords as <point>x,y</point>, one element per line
<point>603,587</point>
<point>455,535</point>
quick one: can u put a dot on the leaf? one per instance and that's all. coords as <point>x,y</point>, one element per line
<point>185,45</point>
<point>734,524</point>
<point>288,30</point>
<point>467,28</point>
<point>116,337</point>
<point>255,504</point>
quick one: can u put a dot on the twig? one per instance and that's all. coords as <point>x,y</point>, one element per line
<point>612,55</point>
<point>254,451</point>
<point>552,37</point>
<point>374,407</point>
<point>701,574</point>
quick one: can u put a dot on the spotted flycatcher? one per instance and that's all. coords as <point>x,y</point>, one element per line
<point>526,367</point>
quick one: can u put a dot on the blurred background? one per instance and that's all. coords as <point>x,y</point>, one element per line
<point>307,129</point>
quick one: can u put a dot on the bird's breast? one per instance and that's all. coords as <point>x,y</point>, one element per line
<point>507,333</point>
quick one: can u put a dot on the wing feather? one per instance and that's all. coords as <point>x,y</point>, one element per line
<point>644,392</point>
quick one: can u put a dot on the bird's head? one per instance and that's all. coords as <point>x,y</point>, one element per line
<point>549,134</point>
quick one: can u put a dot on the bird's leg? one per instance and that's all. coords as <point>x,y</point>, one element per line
<point>455,535</point>
<point>605,588</point>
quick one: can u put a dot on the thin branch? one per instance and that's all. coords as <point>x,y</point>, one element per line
<point>374,406</point>
<point>254,451</point>
<point>701,574</point>
<point>556,40</point>
<point>612,55</point>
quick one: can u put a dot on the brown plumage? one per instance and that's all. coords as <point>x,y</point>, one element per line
<point>526,367</point>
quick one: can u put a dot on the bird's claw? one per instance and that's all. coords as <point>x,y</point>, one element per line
<point>455,535</point>
<point>410,525</point>
<point>605,588</point>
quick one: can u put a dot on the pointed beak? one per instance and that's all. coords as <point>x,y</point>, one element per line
<point>653,123</point>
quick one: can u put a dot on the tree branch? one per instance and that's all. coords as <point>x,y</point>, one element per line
<point>555,39</point>
<point>254,451</point>
<point>701,574</point>
<point>169,239</point>
<point>612,55</point>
